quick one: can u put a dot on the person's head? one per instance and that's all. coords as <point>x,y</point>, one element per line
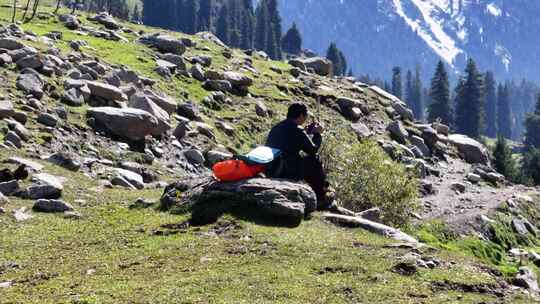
<point>298,113</point>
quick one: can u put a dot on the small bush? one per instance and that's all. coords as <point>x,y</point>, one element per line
<point>365,177</point>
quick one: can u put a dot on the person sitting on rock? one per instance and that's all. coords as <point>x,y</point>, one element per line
<point>290,138</point>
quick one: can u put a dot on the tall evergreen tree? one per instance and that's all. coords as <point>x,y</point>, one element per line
<point>491,106</point>
<point>343,61</point>
<point>191,8</point>
<point>247,24</point>
<point>261,26</point>
<point>532,127</point>
<point>417,88</point>
<point>502,158</point>
<point>470,106</point>
<point>223,29</point>
<point>205,15</point>
<point>409,89</point>
<point>136,16</point>
<point>504,116</point>
<point>333,54</point>
<point>274,31</point>
<point>531,166</point>
<point>440,104</point>
<point>292,41</point>
<point>397,86</point>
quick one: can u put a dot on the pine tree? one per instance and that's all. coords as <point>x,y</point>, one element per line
<point>191,16</point>
<point>470,106</point>
<point>409,89</point>
<point>350,73</point>
<point>417,88</point>
<point>274,32</point>
<point>292,41</point>
<point>504,120</point>
<point>343,61</point>
<point>205,15</point>
<point>532,126</point>
<point>502,159</point>
<point>397,86</point>
<point>332,54</point>
<point>491,106</point>
<point>248,24</point>
<point>262,21</point>
<point>531,166</point>
<point>223,27</point>
<point>136,16</point>
<point>440,107</point>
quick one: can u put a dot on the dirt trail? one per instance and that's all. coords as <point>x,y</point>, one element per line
<point>463,208</point>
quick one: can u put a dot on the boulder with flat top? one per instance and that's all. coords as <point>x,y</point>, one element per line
<point>206,199</point>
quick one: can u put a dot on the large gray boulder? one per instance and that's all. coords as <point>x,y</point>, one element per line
<point>6,109</point>
<point>52,206</point>
<point>10,44</point>
<point>319,65</point>
<point>526,278</point>
<point>106,91</point>
<point>31,83</point>
<point>133,124</point>
<point>283,200</point>
<point>238,79</point>
<point>470,150</point>
<point>142,102</point>
<point>45,186</point>
<point>164,43</point>
<point>398,131</point>
<point>106,20</point>
<point>134,179</point>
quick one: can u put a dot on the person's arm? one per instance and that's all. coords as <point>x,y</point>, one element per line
<point>309,146</point>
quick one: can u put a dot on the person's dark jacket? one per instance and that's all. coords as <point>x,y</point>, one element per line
<point>290,138</point>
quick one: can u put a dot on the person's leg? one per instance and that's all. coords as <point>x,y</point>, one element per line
<point>314,175</point>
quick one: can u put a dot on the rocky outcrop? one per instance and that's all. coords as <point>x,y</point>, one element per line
<point>318,65</point>
<point>470,150</point>
<point>207,200</point>
<point>164,43</point>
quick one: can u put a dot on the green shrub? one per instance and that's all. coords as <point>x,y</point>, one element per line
<point>365,177</point>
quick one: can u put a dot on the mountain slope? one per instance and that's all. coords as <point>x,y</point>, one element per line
<point>496,33</point>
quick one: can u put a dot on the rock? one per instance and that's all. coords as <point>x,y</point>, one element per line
<point>176,60</point>
<point>167,65</point>
<point>133,124</point>
<point>134,179</point>
<point>180,131</point>
<point>238,79</point>
<point>225,127</point>
<point>13,138</point>
<point>189,110</point>
<point>474,178</point>
<point>403,111</point>
<point>194,156</point>
<point>47,119</point>
<point>35,62</point>
<point>9,188</point>
<point>19,129</point>
<point>29,164</point>
<point>430,137</point>
<point>197,72</point>
<point>65,160</point>
<point>163,72</point>
<point>69,21</point>
<point>140,101</point>
<point>106,91</point>
<point>373,214</point>
<point>519,227</point>
<point>45,186</point>
<point>73,97</point>
<point>377,228</point>
<point>164,43</point>
<point>319,65</point>
<point>397,130</point>
<point>350,108</point>
<point>261,109</point>
<point>10,44</point>
<point>441,128</point>
<point>52,206</point>
<point>494,177</point>
<point>361,130</point>
<point>284,201</point>
<point>459,187</point>
<point>214,157</point>
<point>471,150</point>
<point>203,60</point>
<point>6,109</point>
<point>141,203</point>
<point>421,145</point>
<point>31,83</point>
<point>217,85</point>
<point>21,214</point>
<point>107,20</point>
<point>166,103</point>
<point>3,200</point>
<point>5,59</point>
<point>526,278</point>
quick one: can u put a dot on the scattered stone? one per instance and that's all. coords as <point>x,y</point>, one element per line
<point>72,215</point>
<point>214,157</point>
<point>14,139</point>
<point>107,20</point>
<point>21,214</point>
<point>29,164</point>
<point>217,85</point>
<point>474,178</point>
<point>31,83</point>
<point>51,206</point>
<point>9,188</point>
<point>189,110</point>
<point>6,109</point>
<point>35,62</point>
<point>47,119</point>
<point>10,44</point>
<point>194,156</point>
<point>106,91</point>
<point>319,65</point>
<point>45,186</point>
<point>69,21</point>
<point>459,187</point>
<point>142,203</point>
<point>361,130</point>
<point>73,97</point>
<point>197,72</point>
<point>140,101</point>
<point>261,109</point>
<point>397,130</point>
<point>526,278</point>
<point>65,160</point>
<point>164,43</point>
<point>134,179</point>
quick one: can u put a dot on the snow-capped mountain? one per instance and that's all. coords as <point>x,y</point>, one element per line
<point>375,35</point>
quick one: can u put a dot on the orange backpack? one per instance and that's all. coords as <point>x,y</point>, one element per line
<point>235,170</point>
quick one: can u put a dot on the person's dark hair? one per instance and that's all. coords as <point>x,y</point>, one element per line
<point>296,109</point>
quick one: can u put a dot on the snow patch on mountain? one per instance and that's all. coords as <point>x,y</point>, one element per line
<point>429,27</point>
<point>493,9</point>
